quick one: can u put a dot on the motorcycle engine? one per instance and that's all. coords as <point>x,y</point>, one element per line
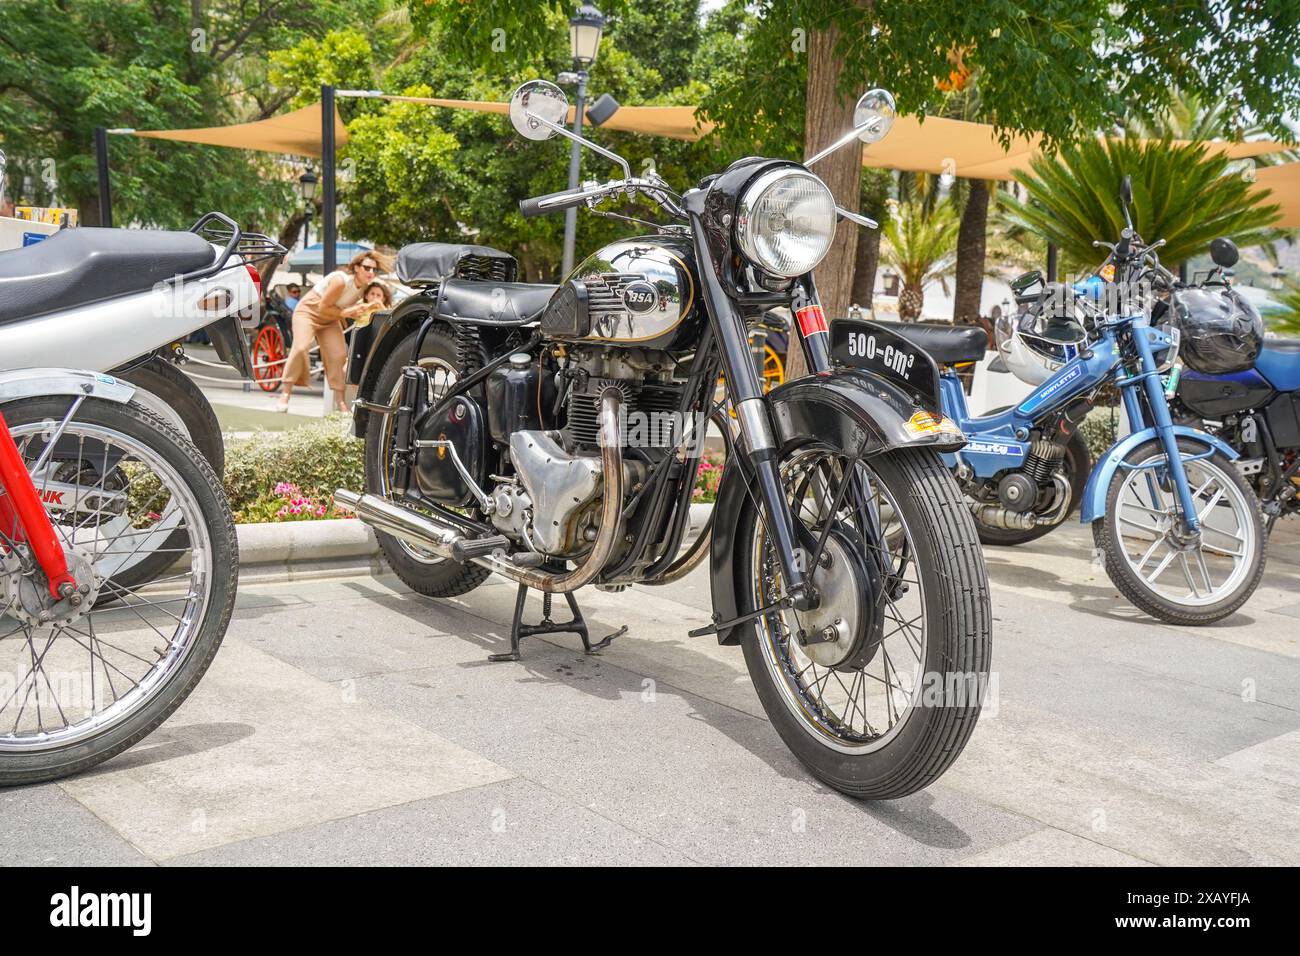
<point>553,501</point>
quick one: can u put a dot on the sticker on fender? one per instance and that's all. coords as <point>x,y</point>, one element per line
<point>879,349</point>
<point>928,423</point>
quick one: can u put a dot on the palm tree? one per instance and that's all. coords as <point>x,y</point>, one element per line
<point>1287,322</point>
<point>921,245</point>
<point>1181,194</point>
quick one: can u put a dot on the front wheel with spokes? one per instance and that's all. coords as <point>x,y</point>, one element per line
<point>1178,576</point>
<point>79,684</point>
<point>878,688</point>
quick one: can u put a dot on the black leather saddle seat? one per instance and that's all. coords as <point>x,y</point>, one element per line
<point>80,266</point>
<point>426,263</point>
<point>947,344</point>
<point>482,302</point>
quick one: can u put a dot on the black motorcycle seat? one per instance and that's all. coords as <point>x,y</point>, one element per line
<point>492,303</point>
<point>424,263</point>
<point>947,344</point>
<point>80,266</point>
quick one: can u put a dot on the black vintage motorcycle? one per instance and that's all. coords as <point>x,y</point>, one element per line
<point>552,433</point>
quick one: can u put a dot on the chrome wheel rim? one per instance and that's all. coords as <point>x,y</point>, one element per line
<point>65,682</point>
<point>1195,572</point>
<point>863,709</point>
<point>440,382</point>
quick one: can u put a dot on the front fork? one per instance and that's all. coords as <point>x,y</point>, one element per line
<point>1148,378</point>
<point>22,512</point>
<point>753,416</point>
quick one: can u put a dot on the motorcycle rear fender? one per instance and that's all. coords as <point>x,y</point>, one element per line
<point>21,383</point>
<point>103,335</point>
<point>1094,492</point>
<point>385,332</point>
<point>851,411</point>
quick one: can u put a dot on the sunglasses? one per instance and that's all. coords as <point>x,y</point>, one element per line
<point>370,268</point>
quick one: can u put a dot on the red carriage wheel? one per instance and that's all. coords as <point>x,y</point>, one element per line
<point>268,358</point>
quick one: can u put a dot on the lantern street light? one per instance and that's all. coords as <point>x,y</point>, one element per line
<point>585,29</point>
<point>307,186</point>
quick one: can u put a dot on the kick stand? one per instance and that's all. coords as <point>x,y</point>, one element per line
<point>519,630</point>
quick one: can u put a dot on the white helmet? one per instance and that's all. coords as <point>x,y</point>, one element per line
<point>1041,336</point>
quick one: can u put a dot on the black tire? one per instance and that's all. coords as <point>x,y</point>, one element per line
<point>950,562</point>
<point>1105,532</point>
<point>148,429</point>
<point>1078,465</point>
<point>433,577</point>
<point>178,391</point>
<point>187,400</point>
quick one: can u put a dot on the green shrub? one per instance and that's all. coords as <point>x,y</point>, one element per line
<point>314,459</point>
<point>1099,430</point>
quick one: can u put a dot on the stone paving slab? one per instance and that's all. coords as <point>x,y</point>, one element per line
<point>261,747</point>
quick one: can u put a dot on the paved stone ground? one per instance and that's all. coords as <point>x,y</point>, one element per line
<point>348,722</point>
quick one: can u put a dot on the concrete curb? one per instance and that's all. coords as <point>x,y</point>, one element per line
<point>298,549</point>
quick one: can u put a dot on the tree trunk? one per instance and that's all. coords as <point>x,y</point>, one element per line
<point>971,241</point>
<point>910,302</point>
<point>829,115</point>
<point>866,264</point>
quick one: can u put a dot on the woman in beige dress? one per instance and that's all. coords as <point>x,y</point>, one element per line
<point>320,317</point>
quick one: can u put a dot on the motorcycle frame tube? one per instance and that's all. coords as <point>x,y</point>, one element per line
<point>751,408</point>
<point>22,500</point>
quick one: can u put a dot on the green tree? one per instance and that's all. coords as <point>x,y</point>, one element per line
<point>67,66</point>
<point>920,244</point>
<point>457,175</point>
<point>1182,194</point>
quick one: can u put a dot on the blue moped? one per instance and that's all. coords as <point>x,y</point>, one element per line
<point>1178,528</point>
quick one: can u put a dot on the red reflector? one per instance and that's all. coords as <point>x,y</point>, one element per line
<point>811,320</point>
<point>256,277</point>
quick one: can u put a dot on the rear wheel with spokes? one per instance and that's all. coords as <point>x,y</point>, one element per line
<point>878,688</point>
<point>1172,574</point>
<point>81,684</point>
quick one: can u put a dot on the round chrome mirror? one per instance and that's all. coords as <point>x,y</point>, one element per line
<point>540,98</point>
<point>875,107</point>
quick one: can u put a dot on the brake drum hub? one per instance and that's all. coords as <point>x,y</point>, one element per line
<point>845,628</point>
<point>28,598</point>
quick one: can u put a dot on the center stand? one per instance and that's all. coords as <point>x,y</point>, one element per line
<point>578,625</point>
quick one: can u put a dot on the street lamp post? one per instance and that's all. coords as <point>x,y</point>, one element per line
<point>307,184</point>
<point>585,28</point>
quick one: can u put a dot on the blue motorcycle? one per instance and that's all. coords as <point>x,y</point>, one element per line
<point>1179,529</point>
<point>1253,406</point>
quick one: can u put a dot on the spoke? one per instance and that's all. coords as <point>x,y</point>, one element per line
<point>1151,579</point>
<point>1150,551</point>
<point>1187,573</point>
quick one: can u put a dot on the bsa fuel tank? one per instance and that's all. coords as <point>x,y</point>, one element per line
<point>640,291</point>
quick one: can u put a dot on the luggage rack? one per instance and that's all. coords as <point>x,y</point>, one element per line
<point>219,228</point>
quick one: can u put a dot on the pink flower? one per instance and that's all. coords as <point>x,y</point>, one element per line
<point>320,512</point>
<point>286,488</point>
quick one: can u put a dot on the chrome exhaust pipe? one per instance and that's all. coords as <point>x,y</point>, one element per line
<point>445,541</point>
<point>382,514</point>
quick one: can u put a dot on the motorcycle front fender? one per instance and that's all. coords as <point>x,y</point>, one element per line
<point>1094,492</point>
<point>851,411</point>
<point>39,382</point>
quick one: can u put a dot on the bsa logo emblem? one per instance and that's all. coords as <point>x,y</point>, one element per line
<point>640,297</point>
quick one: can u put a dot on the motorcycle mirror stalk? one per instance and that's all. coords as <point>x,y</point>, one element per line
<point>536,111</point>
<point>873,116</point>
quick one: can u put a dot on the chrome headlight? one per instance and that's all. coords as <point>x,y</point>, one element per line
<point>785,221</point>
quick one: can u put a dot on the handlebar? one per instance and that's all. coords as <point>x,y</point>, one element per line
<point>588,192</point>
<point>553,202</point>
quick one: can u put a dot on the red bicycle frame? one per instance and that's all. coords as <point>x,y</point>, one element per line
<point>22,511</point>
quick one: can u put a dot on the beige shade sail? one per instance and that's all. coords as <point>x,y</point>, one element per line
<point>296,133</point>
<point>674,122</point>
<point>1284,181</point>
